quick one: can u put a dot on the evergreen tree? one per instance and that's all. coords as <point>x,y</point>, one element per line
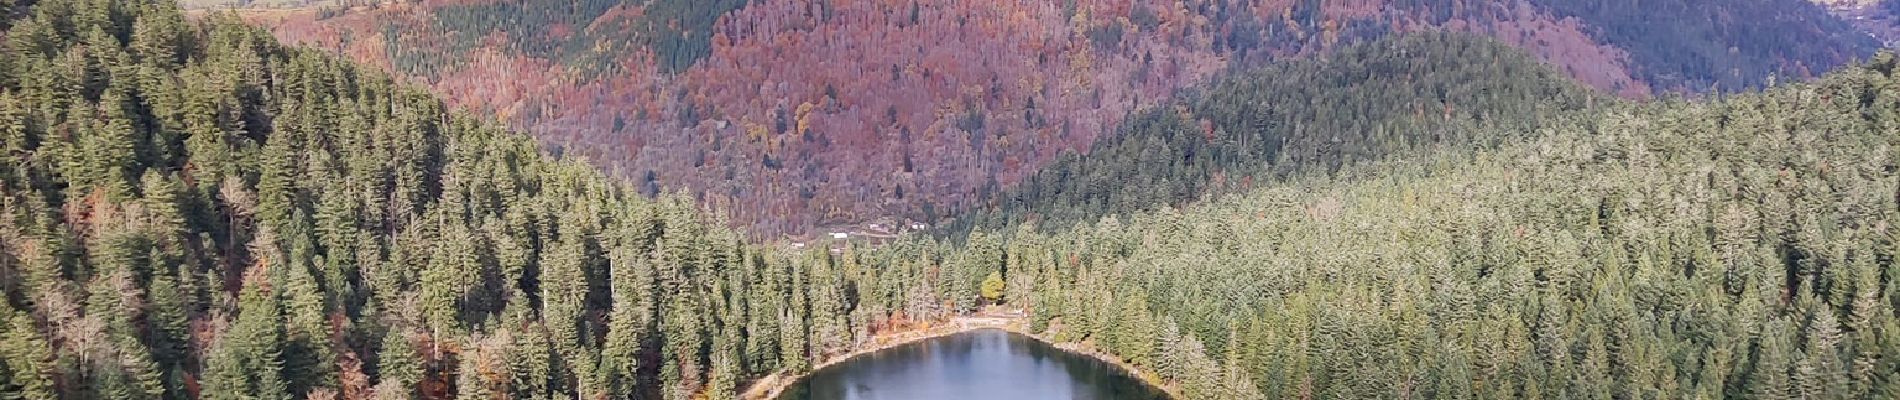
<point>25,359</point>
<point>399,365</point>
<point>626,326</point>
<point>1768,379</point>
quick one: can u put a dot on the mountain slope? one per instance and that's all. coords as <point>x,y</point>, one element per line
<point>1363,103</point>
<point>1728,45</point>
<point>1879,19</point>
<point>811,114</point>
<point>779,118</point>
<point>1741,248</point>
<point>190,210</point>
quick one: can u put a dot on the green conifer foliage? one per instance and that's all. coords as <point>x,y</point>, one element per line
<point>190,210</point>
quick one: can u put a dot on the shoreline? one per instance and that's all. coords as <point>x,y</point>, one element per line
<point>771,386</point>
<point>1088,350</point>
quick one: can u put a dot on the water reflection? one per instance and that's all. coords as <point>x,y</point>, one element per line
<point>986,364</point>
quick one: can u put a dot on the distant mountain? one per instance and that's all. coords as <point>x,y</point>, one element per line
<point>801,115</point>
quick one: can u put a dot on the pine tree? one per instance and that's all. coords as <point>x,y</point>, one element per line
<point>224,377</point>
<point>1887,383</point>
<point>722,381</point>
<point>626,326</point>
<point>795,325</point>
<point>1768,379</point>
<point>683,334</point>
<point>830,330</point>
<point>762,314</point>
<point>399,366</point>
<point>25,359</point>
<point>564,292</point>
<point>1049,304</point>
<point>726,363</point>
<point>277,182</point>
<point>108,149</point>
<point>449,276</point>
<point>533,367</point>
<point>309,361</point>
<point>1135,337</point>
<point>1819,371</point>
<point>258,337</point>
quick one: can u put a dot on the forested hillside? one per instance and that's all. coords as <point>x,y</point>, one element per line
<point>804,114</point>
<point>1738,44</point>
<point>189,210</point>
<point>1420,93</point>
<point>1878,18</point>
<point>1741,248</point>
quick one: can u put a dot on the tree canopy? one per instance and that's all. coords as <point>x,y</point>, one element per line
<point>190,210</point>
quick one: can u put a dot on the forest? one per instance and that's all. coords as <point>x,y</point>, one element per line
<point>769,108</point>
<point>1360,104</point>
<point>677,32</point>
<point>194,211</point>
<point>1740,248</point>
<point>1728,58</point>
<point>191,210</point>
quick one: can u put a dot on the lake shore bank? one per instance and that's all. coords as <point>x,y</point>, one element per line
<point>773,385</point>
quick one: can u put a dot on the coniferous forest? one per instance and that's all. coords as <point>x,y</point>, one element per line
<point>1368,102</point>
<point>191,210</point>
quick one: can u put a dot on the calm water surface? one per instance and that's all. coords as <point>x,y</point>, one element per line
<point>987,365</point>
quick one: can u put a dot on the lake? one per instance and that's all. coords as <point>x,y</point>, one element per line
<point>987,364</point>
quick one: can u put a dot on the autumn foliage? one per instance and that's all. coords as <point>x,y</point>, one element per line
<point>802,114</point>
